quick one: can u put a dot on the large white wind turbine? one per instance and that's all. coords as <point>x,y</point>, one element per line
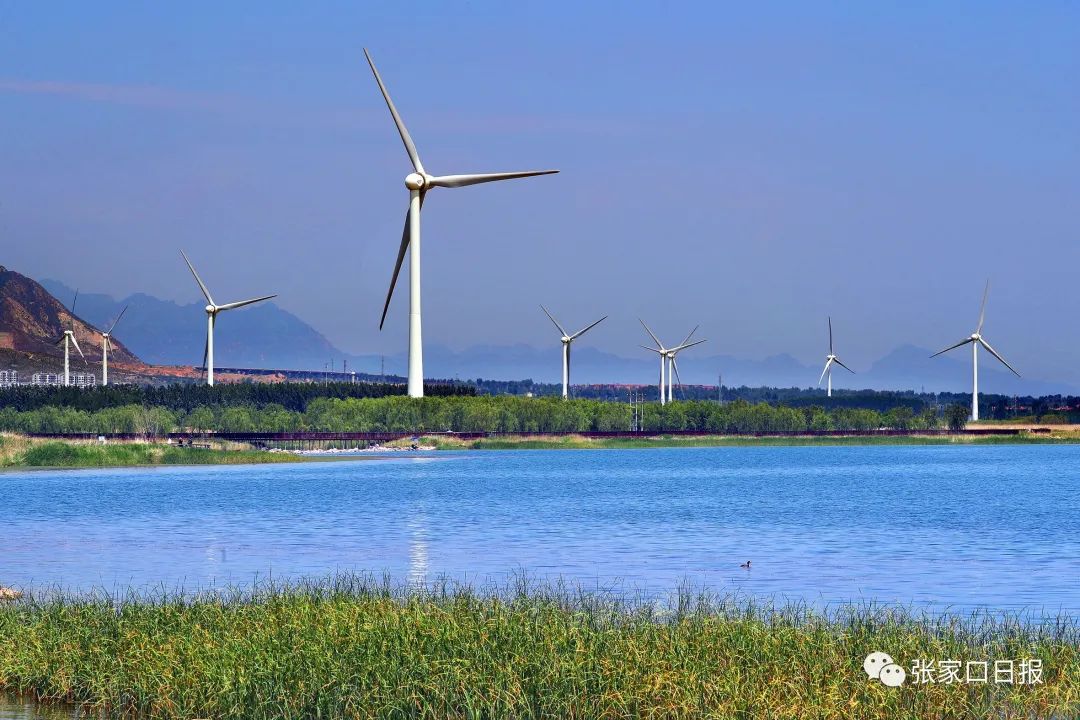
<point>212,310</point>
<point>829,360</point>
<point>106,345</point>
<point>567,339</point>
<point>419,182</point>
<point>68,338</point>
<point>667,360</point>
<point>976,339</point>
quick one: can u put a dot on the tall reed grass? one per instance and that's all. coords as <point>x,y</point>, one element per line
<point>356,647</point>
<point>26,452</point>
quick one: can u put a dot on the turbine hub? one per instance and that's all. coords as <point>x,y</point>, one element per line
<point>975,336</point>
<point>415,181</point>
<point>210,309</point>
<point>565,339</point>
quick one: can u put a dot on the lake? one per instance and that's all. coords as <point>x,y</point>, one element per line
<point>935,527</point>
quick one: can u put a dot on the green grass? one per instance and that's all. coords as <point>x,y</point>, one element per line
<point>62,454</point>
<point>353,648</point>
<point>580,442</point>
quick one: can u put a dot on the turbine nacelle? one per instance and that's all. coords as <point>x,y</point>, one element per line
<point>416,181</point>
<point>976,336</point>
<point>211,309</point>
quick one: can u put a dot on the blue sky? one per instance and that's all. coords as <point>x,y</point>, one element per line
<point>749,168</point>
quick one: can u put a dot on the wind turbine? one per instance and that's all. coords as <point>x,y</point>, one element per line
<point>106,345</point>
<point>567,339</point>
<point>667,357</point>
<point>68,338</point>
<point>976,339</point>
<point>212,310</point>
<point>829,360</point>
<point>419,182</point>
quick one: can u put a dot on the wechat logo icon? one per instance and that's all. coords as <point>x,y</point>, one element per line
<point>881,666</point>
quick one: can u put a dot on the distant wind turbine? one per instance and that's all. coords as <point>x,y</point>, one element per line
<point>68,338</point>
<point>212,310</point>
<point>567,339</point>
<point>419,182</point>
<point>667,360</point>
<point>976,339</point>
<point>829,360</point>
<point>106,345</point>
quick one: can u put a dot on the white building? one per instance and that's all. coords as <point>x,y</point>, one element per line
<point>45,378</point>
<point>83,380</point>
<point>9,378</point>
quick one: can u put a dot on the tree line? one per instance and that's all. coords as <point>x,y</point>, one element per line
<point>470,414</point>
<point>294,396</point>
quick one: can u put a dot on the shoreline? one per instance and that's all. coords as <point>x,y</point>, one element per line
<point>19,452</point>
<point>660,440</point>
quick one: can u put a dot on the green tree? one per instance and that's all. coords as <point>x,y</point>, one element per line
<point>956,416</point>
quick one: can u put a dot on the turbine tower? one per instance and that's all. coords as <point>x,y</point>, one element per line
<point>106,345</point>
<point>68,339</point>
<point>567,339</point>
<point>829,360</point>
<point>419,182</point>
<point>212,310</point>
<point>667,358</point>
<point>976,339</point>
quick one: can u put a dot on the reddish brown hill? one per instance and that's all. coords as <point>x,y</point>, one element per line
<point>35,319</point>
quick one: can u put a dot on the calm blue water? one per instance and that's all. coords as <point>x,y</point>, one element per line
<point>945,527</point>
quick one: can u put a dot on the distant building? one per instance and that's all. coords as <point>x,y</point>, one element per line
<point>40,378</point>
<point>83,380</point>
<point>9,378</point>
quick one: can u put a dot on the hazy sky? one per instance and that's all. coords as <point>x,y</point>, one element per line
<point>750,169</point>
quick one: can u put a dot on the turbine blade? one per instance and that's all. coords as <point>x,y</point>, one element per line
<point>400,258</point>
<point>690,334</point>
<point>205,352</point>
<point>76,344</point>
<point>581,332</point>
<point>830,335</point>
<point>410,147</point>
<point>646,347</point>
<point>982,310</point>
<point>202,285</point>
<point>675,367</point>
<point>565,334</point>
<point>837,360</point>
<point>995,354</point>
<point>825,370</point>
<point>242,303</point>
<point>963,342</point>
<point>456,181</point>
<point>686,345</point>
<point>74,301</point>
<point>107,343</point>
<point>655,339</point>
<point>109,331</point>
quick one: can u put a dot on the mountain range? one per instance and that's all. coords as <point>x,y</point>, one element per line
<point>34,322</point>
<point>266,336</point>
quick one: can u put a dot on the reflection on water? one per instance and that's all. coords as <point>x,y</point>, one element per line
<point>959,527</point>
<point>13,708</point>
<point>418,547</point>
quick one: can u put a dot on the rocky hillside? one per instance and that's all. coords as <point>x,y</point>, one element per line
<point>35,319</point>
